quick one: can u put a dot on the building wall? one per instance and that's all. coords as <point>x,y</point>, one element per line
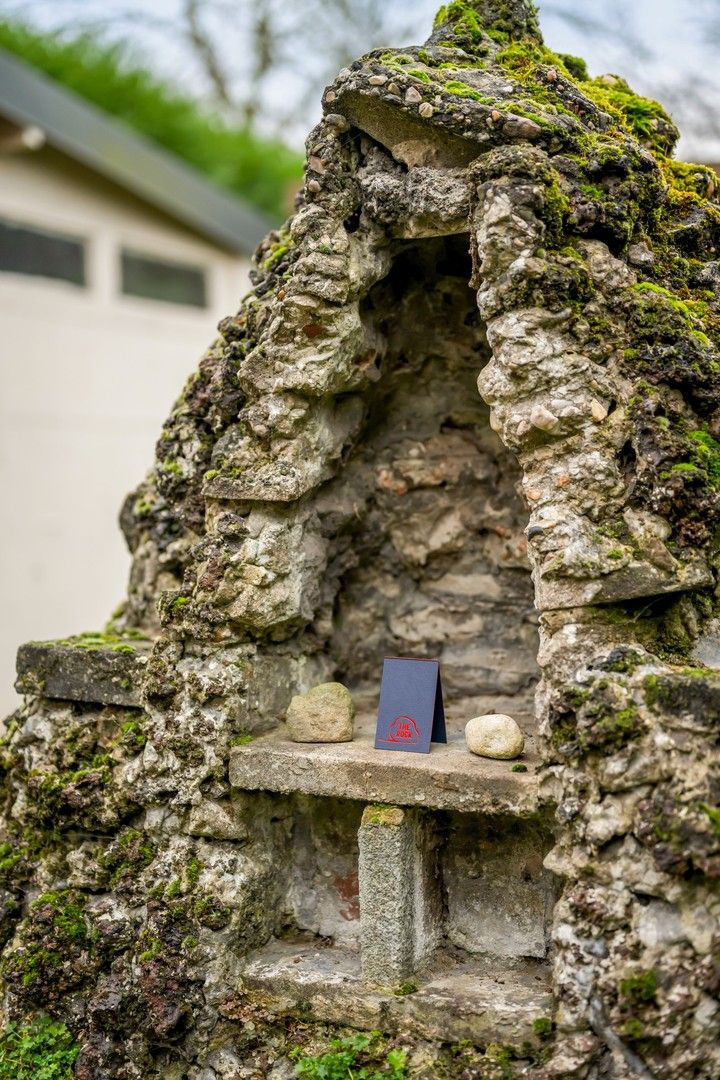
<point>87,377</point>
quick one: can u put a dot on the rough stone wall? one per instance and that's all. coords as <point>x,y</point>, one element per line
<point>433,560</point>
<point>288,510</point>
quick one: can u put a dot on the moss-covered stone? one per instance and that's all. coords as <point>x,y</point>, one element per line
<point>54,954</point>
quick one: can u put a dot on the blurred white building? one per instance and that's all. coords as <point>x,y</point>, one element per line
<point>116,262</point>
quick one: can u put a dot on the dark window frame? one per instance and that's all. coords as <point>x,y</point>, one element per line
<point>161,280</point>
<point>56,255</point>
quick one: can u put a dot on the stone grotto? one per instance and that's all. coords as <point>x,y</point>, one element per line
<point>469,410</point>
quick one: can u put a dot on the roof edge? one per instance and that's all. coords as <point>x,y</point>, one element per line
<point>113,150</point>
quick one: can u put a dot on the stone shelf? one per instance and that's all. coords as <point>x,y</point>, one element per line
<point>74,670</point>
<point>415,878</point>
<point>477,998</point>
<point>448,778</point>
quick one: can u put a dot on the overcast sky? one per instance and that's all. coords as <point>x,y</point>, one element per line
<point>660,46</point>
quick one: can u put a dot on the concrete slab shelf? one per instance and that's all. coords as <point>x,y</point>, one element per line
<point>480,999</point>
<point>84,668</point>
<point>448,778</point>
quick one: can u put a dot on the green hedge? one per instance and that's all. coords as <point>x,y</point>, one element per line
<point>262,171</point>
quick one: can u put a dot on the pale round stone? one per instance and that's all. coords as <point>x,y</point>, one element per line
<point>323,714</point>
<point>494,735</point>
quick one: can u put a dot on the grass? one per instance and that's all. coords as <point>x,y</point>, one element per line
<point>262,171</point>
<point>43,1050</point>
<point>353,1057</point>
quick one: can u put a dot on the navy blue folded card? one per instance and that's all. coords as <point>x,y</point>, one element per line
<point>411,713</point>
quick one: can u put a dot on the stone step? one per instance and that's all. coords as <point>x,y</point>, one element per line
<point>477,999</point>
<point>100,668</point>
<point>448,778</point>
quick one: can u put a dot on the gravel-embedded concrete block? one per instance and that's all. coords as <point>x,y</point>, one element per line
<point>494,735</point>
<point>400,902</point>
<point>323,714</point>
<point>88,667</point>
<point>218,820</point>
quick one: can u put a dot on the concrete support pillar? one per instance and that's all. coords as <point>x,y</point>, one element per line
<point>400,895</point>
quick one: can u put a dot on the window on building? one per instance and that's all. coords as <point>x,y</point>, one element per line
<point>156,279</point>
<point>24,250</point>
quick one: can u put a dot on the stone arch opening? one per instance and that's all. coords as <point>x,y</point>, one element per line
<point>418,867</point>
<point>432,560</point>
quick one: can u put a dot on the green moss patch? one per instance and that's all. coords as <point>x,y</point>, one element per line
<point>646,119</point>
<point>712,813</point>
<point>54,955</point>
<point>130,853</point>
<point>120,641</point>
<point>463,18</point>
<point>600,719</point>
<point>461,89</point>
<point>640,987</point>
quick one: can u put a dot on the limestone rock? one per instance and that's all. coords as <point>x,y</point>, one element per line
<point>494,735</point>
<point>216,820</point>
<point>323,714</point>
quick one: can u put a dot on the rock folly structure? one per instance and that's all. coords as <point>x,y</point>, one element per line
<point>194,896</point>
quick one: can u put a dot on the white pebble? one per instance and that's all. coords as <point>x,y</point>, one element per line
<point>597,411</point>
<point>542,418</point>
<point>494,735</point>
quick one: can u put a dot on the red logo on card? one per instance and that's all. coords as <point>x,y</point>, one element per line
<point>403,729</point>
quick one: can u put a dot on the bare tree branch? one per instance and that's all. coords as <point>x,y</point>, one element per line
<point>244,55</point>
<point>205,50</point>
<point>613,25</point>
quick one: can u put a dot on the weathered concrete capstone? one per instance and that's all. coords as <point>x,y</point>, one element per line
<point>330,487</point>
<point>91,667</point>
<point>449,778</point>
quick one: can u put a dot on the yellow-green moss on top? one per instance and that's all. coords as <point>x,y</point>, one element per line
<point>116,640</point>
<point>498,20</point>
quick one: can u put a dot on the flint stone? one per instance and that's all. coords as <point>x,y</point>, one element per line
<point>324,714</point>
<point>494,735</point>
